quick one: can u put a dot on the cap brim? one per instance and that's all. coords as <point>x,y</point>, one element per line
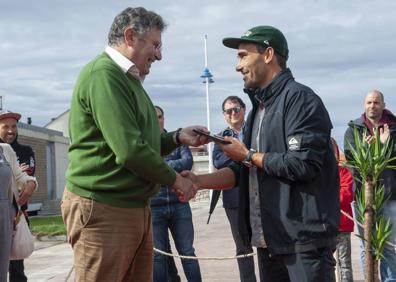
<point>10,115</point>
<point>233,43</point>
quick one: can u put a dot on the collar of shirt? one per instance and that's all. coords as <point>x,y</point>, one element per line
<point>123,62</point>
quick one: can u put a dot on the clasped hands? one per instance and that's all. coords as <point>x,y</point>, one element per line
<point>187,183</point>
<point>185,186</point>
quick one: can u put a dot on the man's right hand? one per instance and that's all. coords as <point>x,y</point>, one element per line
<point>184,188</point>
<point>194,179</point>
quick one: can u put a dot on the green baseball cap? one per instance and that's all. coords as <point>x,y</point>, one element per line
<point>264,35</point>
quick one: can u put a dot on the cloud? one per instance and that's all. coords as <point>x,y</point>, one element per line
<point>341,49</point>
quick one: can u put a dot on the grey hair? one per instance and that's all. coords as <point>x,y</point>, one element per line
<point>140,19</point>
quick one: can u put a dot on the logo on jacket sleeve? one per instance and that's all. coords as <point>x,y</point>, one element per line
<point>294,142</point>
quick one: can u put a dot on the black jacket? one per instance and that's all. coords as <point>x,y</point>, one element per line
<point>25,155</point>
<point>299,182</point>
<point>388,176</point>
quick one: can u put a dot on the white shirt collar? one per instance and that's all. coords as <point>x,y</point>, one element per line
<point>123,62</point>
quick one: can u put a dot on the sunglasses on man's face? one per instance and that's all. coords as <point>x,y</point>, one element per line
<point>230,110</point>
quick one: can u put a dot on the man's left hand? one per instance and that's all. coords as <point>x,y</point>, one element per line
<point>236,151</point>
<point>189,137</point>
<point>384,133</point>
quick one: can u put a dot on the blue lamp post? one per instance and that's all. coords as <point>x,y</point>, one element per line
<point>208,79</point>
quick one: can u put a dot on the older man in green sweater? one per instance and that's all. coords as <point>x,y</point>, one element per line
<point>115,155</point>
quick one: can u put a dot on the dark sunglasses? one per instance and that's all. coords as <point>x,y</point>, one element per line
<point>229,111</point>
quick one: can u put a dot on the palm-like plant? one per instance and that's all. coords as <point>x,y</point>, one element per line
<point>369,159</point>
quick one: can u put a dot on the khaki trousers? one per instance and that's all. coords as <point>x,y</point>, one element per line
<point>109,243</point>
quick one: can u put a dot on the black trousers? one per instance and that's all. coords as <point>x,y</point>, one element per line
<point>312,266</point>
<point>245,265</point>
<point>17,271</point>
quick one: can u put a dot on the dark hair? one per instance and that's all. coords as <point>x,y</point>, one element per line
<point>279,58</point>
<point>140,19</point>
<point>234,99</point>
<point>159,108</point>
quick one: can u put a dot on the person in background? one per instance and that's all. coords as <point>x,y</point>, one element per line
<point>234,114</point>
<point>16,182</point>
<point>376,116</point>
<point>169,214</point>
<point>343,250</point>
<point>27,162</point>
<point>173,274</point>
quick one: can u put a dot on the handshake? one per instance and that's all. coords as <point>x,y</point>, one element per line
<point>185,186</point>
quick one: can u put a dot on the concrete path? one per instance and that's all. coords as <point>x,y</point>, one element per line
<point>53,260</point>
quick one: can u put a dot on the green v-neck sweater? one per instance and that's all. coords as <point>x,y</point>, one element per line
<point>116,145</point>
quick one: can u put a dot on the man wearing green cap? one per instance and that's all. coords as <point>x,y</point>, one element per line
<point>287,173</point>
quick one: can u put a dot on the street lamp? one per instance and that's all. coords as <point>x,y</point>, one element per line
<point>208,79</point>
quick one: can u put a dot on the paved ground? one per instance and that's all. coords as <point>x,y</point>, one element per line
<point>52,260</point>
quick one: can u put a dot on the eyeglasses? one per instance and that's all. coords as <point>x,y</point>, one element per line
<point>235,110</point>
<point>156,46</point>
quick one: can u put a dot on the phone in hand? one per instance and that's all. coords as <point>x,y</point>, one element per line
<point>214,138</point>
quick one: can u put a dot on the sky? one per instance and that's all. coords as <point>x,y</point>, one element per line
<point>339,48</point>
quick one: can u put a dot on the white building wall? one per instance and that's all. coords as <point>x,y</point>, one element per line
<point>201,164</point>
<point>61,163</point>
<point>60,124</point>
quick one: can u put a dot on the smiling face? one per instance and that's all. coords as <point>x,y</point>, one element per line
<point>146,50</point>
<point>253,66</point>
<point>8,130</point>
<point>233,118</point>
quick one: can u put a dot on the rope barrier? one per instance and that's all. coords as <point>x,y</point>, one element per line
<point>245,255</point>
<point>204,258</point>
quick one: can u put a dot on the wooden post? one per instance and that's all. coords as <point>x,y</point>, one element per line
<point>368,225</point>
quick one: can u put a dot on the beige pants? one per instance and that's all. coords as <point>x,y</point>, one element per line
<point>109,243</point>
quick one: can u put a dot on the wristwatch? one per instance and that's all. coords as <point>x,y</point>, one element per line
<point>248,160</point>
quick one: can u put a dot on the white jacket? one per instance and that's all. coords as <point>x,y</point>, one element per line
<point>19,177</point>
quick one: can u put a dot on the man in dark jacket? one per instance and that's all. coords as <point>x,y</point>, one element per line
<point>234,114</point>
<point>25,155</point>
<point>377,116</point>
<point>168,213</point>
<point>286,170</point>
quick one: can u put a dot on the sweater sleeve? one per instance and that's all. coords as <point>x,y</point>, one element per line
<point>114,110</point>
